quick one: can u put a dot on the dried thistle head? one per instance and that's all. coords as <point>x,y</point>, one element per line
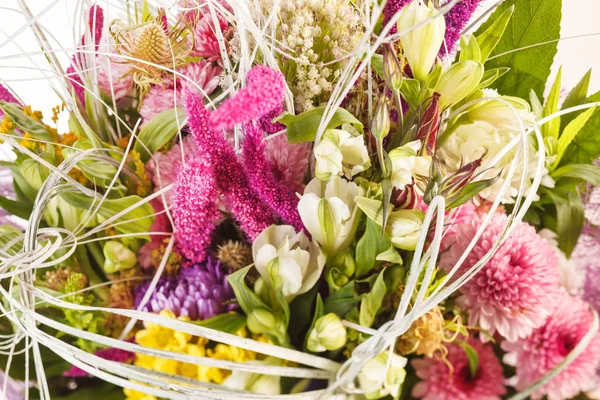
<point>150,49</point>
<point>426,335</point>
<point>234,254</point>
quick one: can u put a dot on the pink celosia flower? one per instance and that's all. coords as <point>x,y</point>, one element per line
<point>195,209</point>
<point>273,192</point>
<point>161,98</point>
<point>7,96</point>
<point>206,42</point>
<point>265,123</point>
<point>391,8</point>
<point>514,292</point>
<point>252,214</point>
<point>456,20</point>
<point>438,382</point>
<point>111,354</point>
<point>289,161</point>
<point>549,344</point>
<point>263,93</point>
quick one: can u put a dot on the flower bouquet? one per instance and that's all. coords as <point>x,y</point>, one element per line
<point>303,199</point>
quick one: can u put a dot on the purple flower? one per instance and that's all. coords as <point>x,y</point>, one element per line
<point>200,292</point>
<point>456,19</point>
<point>391,8</point>
<point>7,96</point>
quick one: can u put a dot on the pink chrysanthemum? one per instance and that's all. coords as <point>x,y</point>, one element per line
<point>548,345</point>
<point>272,191</point>
<point>438,382</point>
<point>289,161</point>
<point>161,98</point>
<point>263,93</point>
<point>253,215</point>
<point>195,210</point>
<point>462,215</point>
<point>114,78</point>
<point>456,20</point>
<point>206,42</point>
<point>514,292</point>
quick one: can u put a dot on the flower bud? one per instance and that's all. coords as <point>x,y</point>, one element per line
<point>458,82</point>
<point>327,334</point>
<point>392,70</point>
<point>404,228</point>
<point>261,320</point>
<point>344,262</point>
<point>421,45</point>
<point>405,198</point>
<point>406,164</point>
<point>380,125</point>
<point>117,257</point>
<point>429,126</point>
<point>378,380</point>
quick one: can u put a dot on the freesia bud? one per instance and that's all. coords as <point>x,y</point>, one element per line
<point>458,82</point>
<point>371,374</point>
<point>380,125</point>
<point>344,262</point>
<point>117,257</point>
<point>392,70</point>
<point>421,45</point>
<point>404,227</point>
<point>339,151</point>
<point>261,320</point>
<point>328,334</point>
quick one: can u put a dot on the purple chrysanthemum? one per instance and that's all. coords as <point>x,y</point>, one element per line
<point>198,292</point>
<point>195,200</point>
<point>456,19</point>
<point>278,196</point>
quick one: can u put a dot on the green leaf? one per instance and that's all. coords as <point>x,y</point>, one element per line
<point>372,208</point>
<point>489,38</point>
<point>492,75</point>
<point>24,122</point>
<point>230,322</point>
<point>411,92</point>
<point>569,219</point>
<point>533,22</point>
<point>576,97</point>
<point>552,127</point>
<point>470,190</point>
<point>372,301</point>
<point>536,106</point>
<point>138,220</point>
<point>301,312</point>
<point>159,131</point>
<point>472,356</point>
<point>370,245</point>
<point>303,127</point>
<point>377,64</point>
<point>390,255</point>
<point>342,301</point>
<point>319,307</point>
<point>587,172</point>
<point>567,136</point>
<point>19,208</point>
<point>247,299</point>
<point>585,148</point>
<point>469,49</point>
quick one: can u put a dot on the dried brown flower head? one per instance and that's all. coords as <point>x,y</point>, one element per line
<point>235,254</point>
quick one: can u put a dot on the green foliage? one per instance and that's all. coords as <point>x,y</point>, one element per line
<point>341,301</point>
<point>19,208</point>
<point>24,122</point>
<point>488,39</point>
<point>300,313</point>
<point>576,96</point>
<point>570,132</point>
<point>319,312</point>
<point>303,127</point>
<point>158,132</point>
<point>370,245</point>
<point>372,301</point>
<point>585,147</point>
<point>472,356</point>
<point>527,46</point>
<point>587,172</point>
<point>552,127</point>
<point>230,322</point>
<point>569,218</point>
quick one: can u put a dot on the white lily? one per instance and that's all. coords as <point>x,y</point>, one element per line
<point>406,164</point>
<point>377,380</point>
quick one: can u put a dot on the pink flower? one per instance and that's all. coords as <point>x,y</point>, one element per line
<point>263,93</point>
<point>272,191</point>
<point>459,216</point>
<point>391,8</point>
<point>252,214</point>
<point>110,353</point>
<point>439,382</point>
<point>195,209</point>
<point>266,124</point>
<point>7,96</point>
<point>289,161</point>
<point>456,20</point>
<point>114,78</point>
<point>549,344</point>
<point>514,292</point>
<point>161,98</point>
<point>206,42</point>
<point>161,223</point>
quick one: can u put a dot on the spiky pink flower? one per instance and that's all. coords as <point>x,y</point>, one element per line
<point>195,209</point>
<point>252,214</point>
<point>548,345</point>
<point>391,8</point>
<point>456,20</point>
<point>277,195</point>
<point>265,123</point>
<point>206,42</point>
<point>439,382</point>
<point>514,292</point>
<point>264,92</point>
<point>7,96</point>
<point>289,161</point>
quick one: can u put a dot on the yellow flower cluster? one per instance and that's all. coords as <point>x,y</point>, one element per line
<point>141,186</point>
<point>159,337</point>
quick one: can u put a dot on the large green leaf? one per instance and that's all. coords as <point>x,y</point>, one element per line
<point>370,245</point>
<point>230,322</point>
<point>341,301</point>
<point>247,299</point>
<point>19,208</point>
<point>576,96</point>
<point>570,133</point>
<point>303,127</point>
<point>24,122</point>
<point>585,147</point>
<point>533,22</point>
<point>569,219</point>
<point>372,301</point>
<point>158,132</point>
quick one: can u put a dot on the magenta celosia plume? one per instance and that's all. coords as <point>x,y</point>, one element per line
<point>456,20</point>
<point>195,208</point>
<point>391,8</point>
<point>549,344</point>
<point>264,92</point>
<point>252,214</point>
<point>438,382</point>
<point>273,192</point>
<point>515,291</point>
<point>7,96</point>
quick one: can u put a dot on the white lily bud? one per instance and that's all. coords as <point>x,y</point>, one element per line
<point>340,152</point>
<point>370,376</point>
<point>327,334</point>
<point>458,82</point>
<point>117,257</point>
<point>329,212</point>
<point>404,227</point>
<point>406,164</point>
<point>287,260</point>
<point>421,45</point>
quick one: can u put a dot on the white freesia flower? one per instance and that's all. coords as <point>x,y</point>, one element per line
<point>377,382</point>
<point>340,152</point>
<point>255,383</point>
<point>328,334</point>
<point>421,45</point>
<point>406,164</point>
<point>329,212</point>
<point>487,129</point>
<point>459,81</point>
<point>404,227</point>
<point>287,259</point>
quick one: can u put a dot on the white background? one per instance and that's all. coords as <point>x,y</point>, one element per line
<point>580,17</point>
